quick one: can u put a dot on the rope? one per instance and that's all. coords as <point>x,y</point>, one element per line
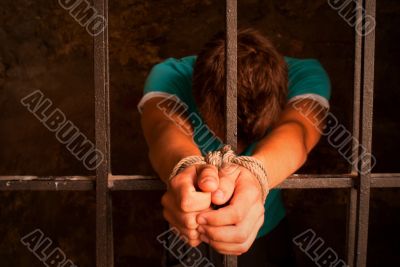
<point>223,156</point>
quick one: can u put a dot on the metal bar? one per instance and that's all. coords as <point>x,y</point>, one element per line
<point>231,89</point>
<point>317,182</point>
<point>51,183</point>
<point>104,248</point>
<point>302,181</point>
<point>142,182</point>
<point>137,182</point>
<point>385,180</point>
<point>134,182</point>
<point>231,73</point>
<point>357,91</point>
<point>353,192</point>
<point>351,226</point>
<point>366,140</point>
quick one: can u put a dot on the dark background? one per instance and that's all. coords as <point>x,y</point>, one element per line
<point>43,47</point>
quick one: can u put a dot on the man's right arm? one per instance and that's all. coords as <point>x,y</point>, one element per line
<point>167,141</point>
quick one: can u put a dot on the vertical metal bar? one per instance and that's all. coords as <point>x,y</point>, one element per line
<point>231,88</point>
<point>104,241</point>
<point>231,73</point>
<point>357,90</point>
<point>353,192</point>
<point>366,139</point>
<point>351,227</point>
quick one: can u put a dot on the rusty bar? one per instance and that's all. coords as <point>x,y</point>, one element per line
<point>104,253</point>
<point>134,182</point>
<point>231,89</point>
<point>353,195</point>
<point>296,181</point>
<point>357,90</point>
<point>385,180</point>
<point>231,73</point>
<point>143,182</point>
<point>366,139</point>
<point>351,226</point>
<point>50,183</point>
<point>138,182</point>
<point>317,182</point>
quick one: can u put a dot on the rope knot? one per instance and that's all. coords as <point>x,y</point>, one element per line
<point>220,157</point>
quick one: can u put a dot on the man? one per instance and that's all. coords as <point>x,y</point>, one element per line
<point>183,115</point>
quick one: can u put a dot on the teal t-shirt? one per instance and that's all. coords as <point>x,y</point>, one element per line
<point>173,77</point>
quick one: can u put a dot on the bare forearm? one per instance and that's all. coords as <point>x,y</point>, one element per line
<point>168,150</point>
<point>282,152</point>
<point>167,141</point>
<point>167,145</point>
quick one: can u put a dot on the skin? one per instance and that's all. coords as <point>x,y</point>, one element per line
<point>233,228</point>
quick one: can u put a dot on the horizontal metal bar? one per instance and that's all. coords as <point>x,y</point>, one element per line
<point>318,181</point>
<point>297,181</point>
<point>134,182</point>
<point>48,183</point>
<point>385,180</point>
<point>141,182</point>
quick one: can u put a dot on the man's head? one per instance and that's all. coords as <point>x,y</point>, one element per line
<point>262,84</point>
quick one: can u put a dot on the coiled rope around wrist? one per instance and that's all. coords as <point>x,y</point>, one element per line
<point>223,156</point>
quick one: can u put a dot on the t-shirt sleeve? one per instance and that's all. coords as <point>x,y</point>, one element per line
<point>308,79</point>
<point>170,78</point>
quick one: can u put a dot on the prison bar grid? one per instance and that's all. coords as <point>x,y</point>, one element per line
<point>358,184</point>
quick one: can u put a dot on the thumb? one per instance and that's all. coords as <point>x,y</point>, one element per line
<point>227,183</point>
<point>207,178</point>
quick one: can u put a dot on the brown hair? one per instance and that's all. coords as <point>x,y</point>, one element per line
<point>262,84</point>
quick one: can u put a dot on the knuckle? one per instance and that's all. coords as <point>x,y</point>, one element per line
<point>185,204</point>
<point>190,222</point>
<point>192,234</point>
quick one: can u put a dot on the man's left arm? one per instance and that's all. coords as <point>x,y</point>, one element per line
<point>295,134</point>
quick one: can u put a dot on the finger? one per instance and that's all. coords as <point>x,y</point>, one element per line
<point>194,242</point>
<point>244,197</point>
<point>186,177</point>
<point>181,239</point>
<point>235,248</point>
<point>227,179</point>
<point>173,221</point>
<point>233,233</point>
<point>192,201</point>
<point>186,220</point>
<point>207,178</point>
<point>186,196</point>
